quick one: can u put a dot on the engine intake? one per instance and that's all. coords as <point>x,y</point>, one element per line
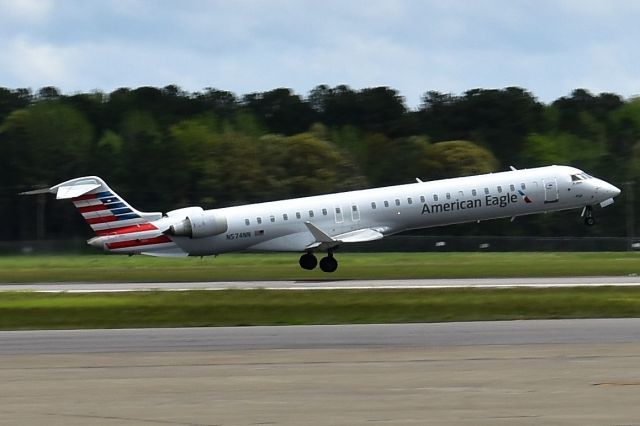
<point>200,224</point>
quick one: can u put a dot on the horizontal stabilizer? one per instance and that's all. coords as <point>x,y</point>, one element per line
<point>70,189</point>
<point>73,191</point>
<point>37,191</point>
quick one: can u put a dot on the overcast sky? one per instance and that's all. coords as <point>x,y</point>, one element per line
<point>547,47</point>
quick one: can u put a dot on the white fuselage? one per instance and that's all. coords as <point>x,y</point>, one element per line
<point>280,225</point>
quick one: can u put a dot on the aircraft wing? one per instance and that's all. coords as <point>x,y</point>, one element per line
<point>359,236</point>
<point>324,241</point>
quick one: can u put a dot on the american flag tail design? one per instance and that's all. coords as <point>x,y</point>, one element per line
<point>118,226</point>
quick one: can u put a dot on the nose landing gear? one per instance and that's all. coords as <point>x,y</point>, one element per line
<point>587,213</point>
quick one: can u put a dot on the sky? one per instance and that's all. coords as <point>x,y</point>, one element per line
<point>549,47</point>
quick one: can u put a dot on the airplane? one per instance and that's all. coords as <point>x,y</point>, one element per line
<point>322,223</point>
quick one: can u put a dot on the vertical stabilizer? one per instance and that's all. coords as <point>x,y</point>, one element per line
<point>103,209</point>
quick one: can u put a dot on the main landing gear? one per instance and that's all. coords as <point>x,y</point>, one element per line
<point>327,264</point>
<point>588,216</point>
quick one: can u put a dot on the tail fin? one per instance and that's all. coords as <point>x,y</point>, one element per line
<point>101,207</point>
<point>119,227</point>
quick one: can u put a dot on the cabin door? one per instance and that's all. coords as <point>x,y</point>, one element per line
<point>550,190</point>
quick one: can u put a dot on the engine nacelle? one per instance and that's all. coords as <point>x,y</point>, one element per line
<point>199,223</point>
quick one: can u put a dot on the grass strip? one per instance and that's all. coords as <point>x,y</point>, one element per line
<point>284,266</point>
<point>24,310</point>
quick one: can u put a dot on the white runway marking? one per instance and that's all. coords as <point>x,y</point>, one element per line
<point>624,281</point>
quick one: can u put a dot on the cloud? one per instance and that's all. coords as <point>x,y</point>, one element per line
<point>548,47</point>
<point>25,11</point>
<point>28,62</point>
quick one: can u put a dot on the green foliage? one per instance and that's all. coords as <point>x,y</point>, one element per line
<point>562,148</point>
<point>458,158</point>
<point>165,148</point>
<point>306,164</point>
<point>283,266</point>
<point>49,141</point>
<point>264,307</point>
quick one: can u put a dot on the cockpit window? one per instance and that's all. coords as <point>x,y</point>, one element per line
<point>579,177</point>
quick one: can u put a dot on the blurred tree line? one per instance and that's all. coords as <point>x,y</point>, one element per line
<point>164,148</point>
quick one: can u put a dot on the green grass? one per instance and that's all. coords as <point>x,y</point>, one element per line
<point>23,310</point>
<point>105,268</point>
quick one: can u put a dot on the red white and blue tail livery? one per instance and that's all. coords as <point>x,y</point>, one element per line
<point>325,222</point>
<point>118,226</point>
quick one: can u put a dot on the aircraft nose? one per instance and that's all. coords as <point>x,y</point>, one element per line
<point>614,191</point>
<point>605,189</point>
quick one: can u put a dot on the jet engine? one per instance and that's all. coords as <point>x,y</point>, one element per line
<point>198,223</point>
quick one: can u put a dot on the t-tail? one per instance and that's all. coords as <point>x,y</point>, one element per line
<point>118,226</point>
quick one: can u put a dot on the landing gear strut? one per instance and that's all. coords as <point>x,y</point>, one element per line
<point>588,216</point>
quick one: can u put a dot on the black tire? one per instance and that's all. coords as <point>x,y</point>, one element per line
<point>589,221</point>
<point>328,264</point>
<point>308,261</point>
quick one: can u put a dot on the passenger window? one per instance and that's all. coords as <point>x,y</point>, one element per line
<point>354,208</point>
<point>397,202</point>
<point>422,200</point>
<point>259,220</point>
<point>523,186</point>
<point>324,212</point>
<point>298,215</point>
<point>486,190</point>
<point>499,189</point>
<point>409,200</point>
<point>435,197</point>
<point>448,196</point>
<point>386,204</point>
<point>512,187</point>
<point>474,192</point>
<point>373,205</point>
<point>461,193</point>
<point>272,218</point>
<point>338,210</point>
<point>246,222</point>
<point>285,216</point>
<point>310,213</point>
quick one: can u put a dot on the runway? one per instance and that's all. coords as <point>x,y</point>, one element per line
<point>469,334</point>
<point>568,372</point>
<point>329,284</point>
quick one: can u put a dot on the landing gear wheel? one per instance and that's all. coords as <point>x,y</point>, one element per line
<point>328,264</point>
<point>308,261</point>
<point>588,216</point>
